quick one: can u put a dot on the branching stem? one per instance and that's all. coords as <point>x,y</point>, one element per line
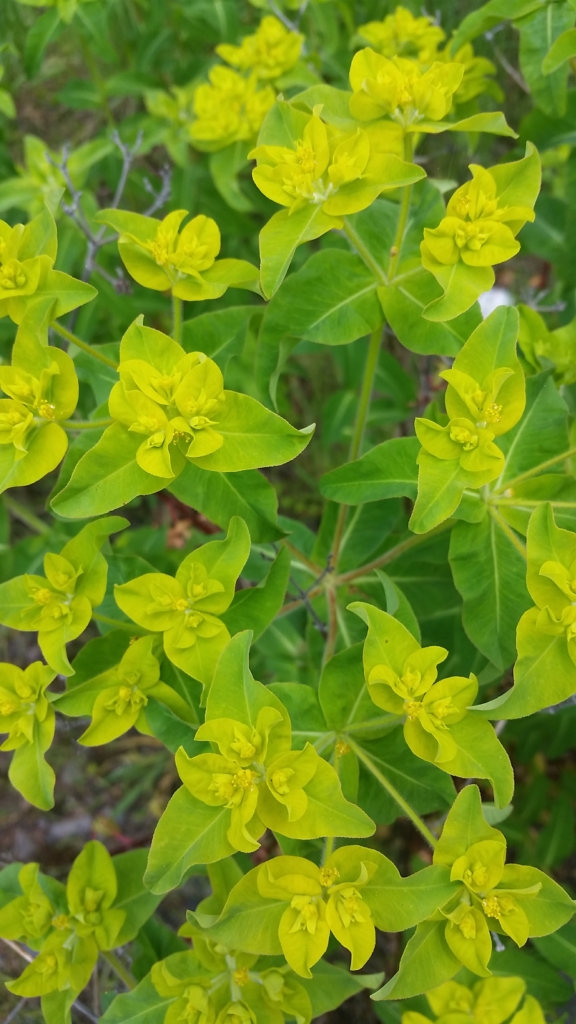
<point>534,471</point>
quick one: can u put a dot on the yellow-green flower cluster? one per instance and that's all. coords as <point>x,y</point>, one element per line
<point>399,89</point>
<point>269,52</point>
<point>228,108</point>
<point>480,228</point>
<point>231,106</point>
<point>342,172</point>
<point>402,34</point>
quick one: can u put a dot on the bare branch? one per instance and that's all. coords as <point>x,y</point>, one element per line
<point>128,155</point>
<point>161,197</point>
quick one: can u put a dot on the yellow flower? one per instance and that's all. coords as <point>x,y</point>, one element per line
<point>268,53</point>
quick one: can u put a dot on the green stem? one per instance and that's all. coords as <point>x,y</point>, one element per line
<point>328,848</point>
<point>176,319</point>
<point>514,540</point>
<point>366,393</point>
<point>364,253</point>
<point>355,446</point>
<point>25,515</point>
<point>396,249</point>
<point>408,810</point>
<point>393,553</point>
<point>119,624</point>
<point>74,340</point>
<point>525,503</point>
<point>85,424</point>
<point>377,563</point>
<point>534,471</point>
<point>359,428</point>
<point>118,968</point>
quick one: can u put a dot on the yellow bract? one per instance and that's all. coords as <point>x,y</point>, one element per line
<point>398,88</point>
<point>343,172</point>
<point>269,52</point>
<point>479,228</point>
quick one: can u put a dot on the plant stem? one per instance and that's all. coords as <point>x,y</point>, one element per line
<point>514,540</point>
<point>396,249</point>
<point>176,319</point>
<point>355,446</point>
<point>394,553</point>
<point>328,848</point>
<point>366,392</point>
<point>25,515</point>
<point>85,424</point>
<point>535,470</point>
<point>364,253</point>
<point>314,569</point>
<point>377,563</point>
<point>118,968</point>
<point>359,427</point>
<point>74,340</point>
<point>410,813</point>
<point>526,503</point>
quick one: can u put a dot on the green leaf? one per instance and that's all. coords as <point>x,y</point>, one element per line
<point>219,496</point>
<point>542,981</point>
<point>133,898</point>
<point>404,303</point>
<point>142,1005</point>
<point>253,437</point>
<point>560,948</point>
<point>29,772</point>
<point>248,921</point>
<point>256,607</point>
<point>489,573</point>
<point>543,673</point>
<point>489,15</point>
<point>421,784</point>
<point>563,48</point>
<point>387,471</point>
<point>219,334</point>
<point>542,432</point>
<point>462,285</point>
<point>331,300</point>
<point>481,756</point>
<point>234,692</point>
<point>282,235</point>
<point>400,903</point>
<point>225,165</point>
<point>106,477</point>
<point>343,694</point>
<point>43,29</point>
<point>188,833</point>
<point>426,963</point>
<point>330,986</point>
<point>441,484</point>
<point>465,825</point>
<point>538,32</point>
<point>493,122</point>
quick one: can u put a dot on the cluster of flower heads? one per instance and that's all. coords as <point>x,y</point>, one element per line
<point>419,39</point>
<point>231,105</point>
